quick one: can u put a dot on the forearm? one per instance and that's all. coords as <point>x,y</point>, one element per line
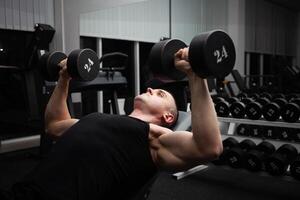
<point>57,109</point>
<point>204,120</point>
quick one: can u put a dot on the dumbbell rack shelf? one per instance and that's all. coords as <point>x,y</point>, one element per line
<point>259,122</point>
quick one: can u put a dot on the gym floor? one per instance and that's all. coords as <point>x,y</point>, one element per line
<point>213,183</point>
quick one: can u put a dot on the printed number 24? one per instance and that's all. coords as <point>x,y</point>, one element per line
<point>221,54</point>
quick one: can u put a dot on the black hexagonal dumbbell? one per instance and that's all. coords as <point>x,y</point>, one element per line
<point>243,130</point>
<point>82,64</point>
<point>256,131</point>
<point>210,54</point>
<point>228,143</point>
<point>272,110</point>
<point>266,95</point>
<point>295,168</point>
<point>256,157</point>
<point>291,111</point>
<point>238,108</point>
<point>254,109</point>
<point>223,106</point>
<point>270,132</point>
<point>236,155</point>
<point>278,162</point>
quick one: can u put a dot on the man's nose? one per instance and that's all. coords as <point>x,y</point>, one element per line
<point>150,90</point>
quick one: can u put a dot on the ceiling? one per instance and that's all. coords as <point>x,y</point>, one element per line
<point>291,4</point>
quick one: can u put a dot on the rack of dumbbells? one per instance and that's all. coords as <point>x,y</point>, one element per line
<point>261,132</point>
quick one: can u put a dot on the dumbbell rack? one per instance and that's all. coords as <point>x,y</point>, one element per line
<point>232,123</point>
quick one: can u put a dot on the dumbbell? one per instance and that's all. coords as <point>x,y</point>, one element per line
<point>279,95</point>
<point>254,96</point>
<point>243,130</point>
<point>82,65</point>
<point>256,130</point>
<point>270,132</point>
<point>223,106</point>
<point>238,108</point>
<point>227,144</point>
<point>278,162</point>
<point>291,96</point>
<point>210,54</point>
<point>242,95</point>
<point>266,95</point>
<point>254,109</point>
<point>256,157</point>
<point>272,110</point>
<point>285,134</point>
<point>291,111</point>
<point>295,168</point>
<point>236,155</point>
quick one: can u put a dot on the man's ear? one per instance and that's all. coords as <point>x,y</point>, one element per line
<point>168,118</point>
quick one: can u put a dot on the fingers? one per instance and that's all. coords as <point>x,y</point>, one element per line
<point>182,54</point>
<point>63,63</point>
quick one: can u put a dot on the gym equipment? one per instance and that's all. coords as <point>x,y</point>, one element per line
<point>270,132</point>
<point>256,157</point>
<point>256,130</point>
<point>271,111</point>
<point>223,106</point>
<point>279,95</point>
<point>295,168</point>
<point>254,109</point>
<point>227,144</point>
<point>236,155</point>
<point>266,95</point>
<point>243,130</point>
<point>291,111</point>
<point>237,109</point>
<point>82,65</point>
<point>278,162</point>
<point>284,134</point>
<point>211,54</point>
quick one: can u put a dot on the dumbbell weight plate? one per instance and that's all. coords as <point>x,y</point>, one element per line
<point>290,112</point>
<point>243,130</point>
<point>237,110</point>
<point>161,58</point>
<point>212,54</point>
<point>253,110</point>
<point>227,144</point>
<point>83,64</point>
<point>278,162</point>
<point>271,111</point>
<point>256,130</point>
<point>295,168</point>
<point>222,109</point>
<point>48,64</point>
<point>270,132</point>
<point>254,160</point>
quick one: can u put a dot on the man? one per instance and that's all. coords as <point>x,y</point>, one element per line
<point>105,156</point>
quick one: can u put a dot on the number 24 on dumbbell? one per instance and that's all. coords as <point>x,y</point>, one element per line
<point>82,65</point>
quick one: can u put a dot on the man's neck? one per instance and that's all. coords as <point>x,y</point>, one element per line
<point>144,116</point>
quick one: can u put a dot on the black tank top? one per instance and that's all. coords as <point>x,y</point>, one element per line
<point>101,157</point>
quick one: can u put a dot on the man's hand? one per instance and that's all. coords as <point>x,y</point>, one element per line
<point>63,73</point>
<point>182,61</point>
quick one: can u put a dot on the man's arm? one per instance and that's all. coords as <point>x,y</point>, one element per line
<point>182,150</point>
<point>57,116</point>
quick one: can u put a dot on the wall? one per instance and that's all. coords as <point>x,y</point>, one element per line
<point>143,21</point>
<point>23,14</point>
<point>71,10</point>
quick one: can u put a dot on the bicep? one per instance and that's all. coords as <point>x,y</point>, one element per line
<point>56,129</point>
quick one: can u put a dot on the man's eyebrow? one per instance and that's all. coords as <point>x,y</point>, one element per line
<point>164,92</point>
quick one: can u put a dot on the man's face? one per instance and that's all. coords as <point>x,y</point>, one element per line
<point>154,101</point>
